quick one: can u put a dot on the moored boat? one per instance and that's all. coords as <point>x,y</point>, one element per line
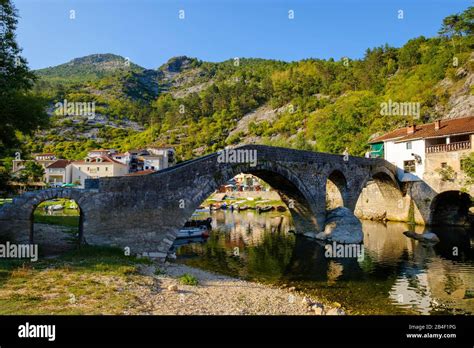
<point>189,232</point>
<point>196,223</point>
<point>265,209</point>
<point>281,208</point>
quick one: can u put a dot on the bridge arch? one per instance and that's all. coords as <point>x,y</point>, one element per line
<point>33,236</point>
<point>451,208</point>
<point>381,197</point>
<point>336,190</point>
<point>293,192</point>
<point>17,218</point>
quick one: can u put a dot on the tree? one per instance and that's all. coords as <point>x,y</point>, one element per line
<point>33,172</point>
<point>19,110</point>
<point>458,24</point>
<point>468,167</point>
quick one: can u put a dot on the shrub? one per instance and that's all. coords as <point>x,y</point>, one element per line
<point>188,279</point>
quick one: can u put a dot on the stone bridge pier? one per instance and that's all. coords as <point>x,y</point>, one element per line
<point>145,212</point>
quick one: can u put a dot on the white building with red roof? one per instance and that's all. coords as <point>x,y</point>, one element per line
<point>96,167</point>
<point>58,173</point>
<point>422,152</point>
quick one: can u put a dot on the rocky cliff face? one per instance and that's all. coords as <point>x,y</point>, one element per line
<point>460,89</point>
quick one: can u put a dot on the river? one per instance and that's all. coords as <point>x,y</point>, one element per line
<point>396,275</point>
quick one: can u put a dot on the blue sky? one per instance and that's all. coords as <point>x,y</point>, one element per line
<point>149,32</point>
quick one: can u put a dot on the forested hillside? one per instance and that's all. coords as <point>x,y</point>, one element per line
<point>200,107</point>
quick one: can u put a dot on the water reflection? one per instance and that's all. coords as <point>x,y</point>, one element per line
<point>397,274</point>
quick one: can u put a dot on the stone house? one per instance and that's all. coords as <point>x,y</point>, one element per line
<point>432,152</point>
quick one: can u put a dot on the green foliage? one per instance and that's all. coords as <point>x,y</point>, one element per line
<point>348,122</point>
<point>33,172</point>
<point>468,167</point>
<point>19,109</point>
<point>447,173</point>
<point>188,279</point>
<point>459,24</point>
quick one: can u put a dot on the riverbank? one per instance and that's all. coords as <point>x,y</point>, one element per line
<point>216,294</point>
<point>104,281</point>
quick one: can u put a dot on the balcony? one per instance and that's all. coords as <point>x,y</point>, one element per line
<point>457,146</point>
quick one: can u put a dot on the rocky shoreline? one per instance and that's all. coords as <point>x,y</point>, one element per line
<point>163,294</point>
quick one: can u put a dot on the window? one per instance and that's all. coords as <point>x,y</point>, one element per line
<point>106,168</point>
<point>88,169</point>
<point>444,164</point>
<point>98,168</point>
<point>409,166</point>
<point>408,145</point>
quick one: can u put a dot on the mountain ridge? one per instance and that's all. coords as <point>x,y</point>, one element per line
<point>312,104</point>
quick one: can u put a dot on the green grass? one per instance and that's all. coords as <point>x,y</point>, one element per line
<point>90,280</point>
<point>66,217</point>
<point>188,279</point>
<point>70,221</point>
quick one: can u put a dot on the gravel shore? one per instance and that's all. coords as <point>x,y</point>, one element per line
<point>216,295</point>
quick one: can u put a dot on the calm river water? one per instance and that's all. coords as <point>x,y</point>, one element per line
<point>397,275</point>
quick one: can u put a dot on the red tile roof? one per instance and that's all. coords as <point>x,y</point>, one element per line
<point>62,163</point>
<point>455,126</point>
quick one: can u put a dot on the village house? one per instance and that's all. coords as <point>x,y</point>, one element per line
<point>96,167</point>
<point>100,163</point>
<point>152,158</point>
<point>58,173</point>
<point>44,159</point>
<point>422,152</point>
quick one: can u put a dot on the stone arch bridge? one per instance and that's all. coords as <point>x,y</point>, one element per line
<point>145,212</point>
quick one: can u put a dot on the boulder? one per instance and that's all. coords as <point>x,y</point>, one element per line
<point>173,287</point>
<point>342,226</point>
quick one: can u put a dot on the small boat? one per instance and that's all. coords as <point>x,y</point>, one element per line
<point>56,207</point>
<point>264,209</point>
<point>190,232</point>
<point>281,208</point>
<point>196,223</point>
<point>243,207</point>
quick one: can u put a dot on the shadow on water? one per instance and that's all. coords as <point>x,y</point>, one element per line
<point>396,275</point>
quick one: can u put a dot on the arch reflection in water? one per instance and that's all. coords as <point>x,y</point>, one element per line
<point>397,275</point>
